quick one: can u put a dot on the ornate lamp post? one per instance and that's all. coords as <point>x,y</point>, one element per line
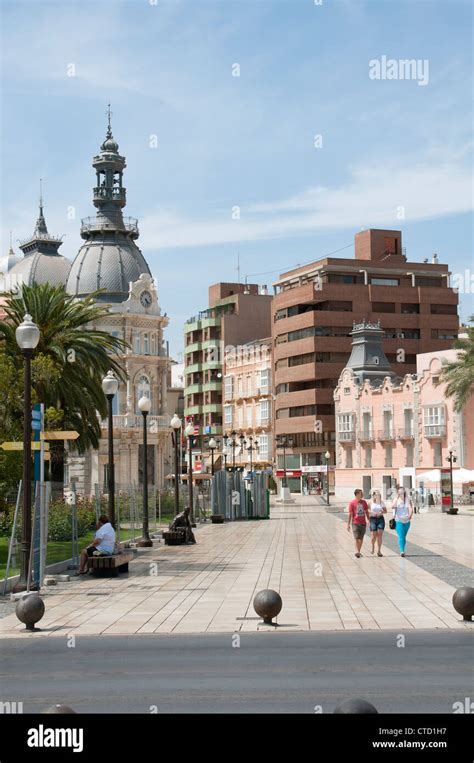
<point>144,405</point>
<point>233,445</point>
<point>451,459</point>
<point>327,456</point>
<point>189,432</point>
<point>212,445</point>
<point>253,446</point>
<point>109,387</point>
<point>27,336</point>
<point>284,441</point>
<point>176,424</point>
<point>225,445</point>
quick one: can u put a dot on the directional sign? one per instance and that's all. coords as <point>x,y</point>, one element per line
<point>58,435</point>
<point>19,446</point>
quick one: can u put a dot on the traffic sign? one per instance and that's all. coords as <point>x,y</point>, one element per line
<point>19,445</point>
<point>58,435</point>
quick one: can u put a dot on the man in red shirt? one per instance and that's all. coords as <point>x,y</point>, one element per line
<point>358,515</point>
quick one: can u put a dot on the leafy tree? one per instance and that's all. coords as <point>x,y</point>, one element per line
<point>71,358</point>
<point>459,374</point>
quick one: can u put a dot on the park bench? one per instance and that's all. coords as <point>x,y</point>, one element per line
<point>174,537</point>
<point>110,566</point>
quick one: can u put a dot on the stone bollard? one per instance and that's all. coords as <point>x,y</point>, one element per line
<point>29,610</point>
<point>357,705</point>
<point>267,604</point>
<point>59,710</point>
<point>463,602</point>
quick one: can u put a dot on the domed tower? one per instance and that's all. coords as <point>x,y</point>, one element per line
<point>42,262</point>
<point>109,259</point>
<point>10,260</point>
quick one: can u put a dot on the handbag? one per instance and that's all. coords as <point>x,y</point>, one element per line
<point>392,524</point>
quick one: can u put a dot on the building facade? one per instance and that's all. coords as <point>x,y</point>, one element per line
<point>391,429</point>
<point>237,313</point>
<point>314,308</point>
<point>248,404</point>
<point>111,261</point>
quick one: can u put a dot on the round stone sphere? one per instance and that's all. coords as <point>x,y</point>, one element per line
<point>463,602</point>
<point>356,706</point>
<point>59,710</point>
<point>267,604</point>
<point>30,609</point>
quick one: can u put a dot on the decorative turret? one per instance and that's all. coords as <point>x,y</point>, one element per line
<point>368,359</point>
<point>109,258</point>
<point>42,262</point>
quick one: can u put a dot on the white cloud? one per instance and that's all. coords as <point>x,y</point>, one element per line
<point>375,195</point>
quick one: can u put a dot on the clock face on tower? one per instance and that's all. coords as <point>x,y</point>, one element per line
<point>145,298</point>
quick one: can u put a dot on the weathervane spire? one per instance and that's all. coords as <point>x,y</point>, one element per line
<point>109,114</point>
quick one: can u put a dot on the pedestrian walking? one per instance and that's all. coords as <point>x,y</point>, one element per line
<point>377,509</point>
<point>402,511</point>
<point>358,516</point>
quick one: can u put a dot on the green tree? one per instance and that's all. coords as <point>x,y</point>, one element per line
<point>459,374</point>
<point>72,356</point>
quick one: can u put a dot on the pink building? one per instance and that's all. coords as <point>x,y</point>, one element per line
<point>247,403</point>
<point>392,429</point>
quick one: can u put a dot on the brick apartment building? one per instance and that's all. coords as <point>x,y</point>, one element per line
<point>314,309</point>
<point>237,313</point>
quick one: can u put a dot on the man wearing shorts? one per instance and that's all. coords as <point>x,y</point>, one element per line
<point>358,515</point>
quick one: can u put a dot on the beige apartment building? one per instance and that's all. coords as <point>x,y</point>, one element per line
<point>248,404</point>
<point>237,313</point>
<point>314,308</point>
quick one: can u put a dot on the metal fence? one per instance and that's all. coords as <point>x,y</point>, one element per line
<point>236,498</point>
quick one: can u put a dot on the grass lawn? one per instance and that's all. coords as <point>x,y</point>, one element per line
<point>57,551</point>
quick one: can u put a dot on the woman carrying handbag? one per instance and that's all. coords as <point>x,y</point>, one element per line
<point>402,511</point>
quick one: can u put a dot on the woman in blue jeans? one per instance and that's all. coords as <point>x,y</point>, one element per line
<point>402,509</point>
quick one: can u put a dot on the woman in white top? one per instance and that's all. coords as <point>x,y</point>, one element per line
<point>402,509</point>
<point>377,522</point>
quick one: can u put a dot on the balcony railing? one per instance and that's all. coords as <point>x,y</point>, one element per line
<point>129,224</point>
<point>406,434</point>
<point>346,436</point>
<point>435,430</point>
<point>384,435</point>
<point>135,421</point>
<point>366,435</point>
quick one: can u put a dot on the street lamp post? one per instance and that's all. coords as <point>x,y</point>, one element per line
<point>27,336</point>
<point>233,445</point>
<point>283,441</point>
<point>176,424</point>
<point>212,445</point>
<point>144,405</point>
<point>327,456</point>
<point>109,388</point>
<point>189,432</point>
<point>451,459</point>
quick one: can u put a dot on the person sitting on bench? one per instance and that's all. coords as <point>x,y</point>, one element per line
<point>182,520</point>
<point>103,543</point>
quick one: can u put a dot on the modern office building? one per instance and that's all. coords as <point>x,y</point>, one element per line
<point>390,430</point>
<point>314,308</point>
<point>237,313</point>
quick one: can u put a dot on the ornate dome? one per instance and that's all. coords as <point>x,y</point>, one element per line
<point>108,263</point>
<point>42,262</point>
<point>9,261</point>
<point>109,259</point>
<point>42,268</point>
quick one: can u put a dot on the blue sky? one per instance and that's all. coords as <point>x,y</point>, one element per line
<point>394,154</point>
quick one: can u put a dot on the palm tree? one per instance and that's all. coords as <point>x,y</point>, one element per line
<point>459,374</point>
<point>80,354</point>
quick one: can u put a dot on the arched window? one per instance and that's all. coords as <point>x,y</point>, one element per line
<point>143,389</point>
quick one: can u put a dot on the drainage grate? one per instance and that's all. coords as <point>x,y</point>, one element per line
<point>99,593</point>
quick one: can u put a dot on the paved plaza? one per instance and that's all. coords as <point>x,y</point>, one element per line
<point>304,551</point>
